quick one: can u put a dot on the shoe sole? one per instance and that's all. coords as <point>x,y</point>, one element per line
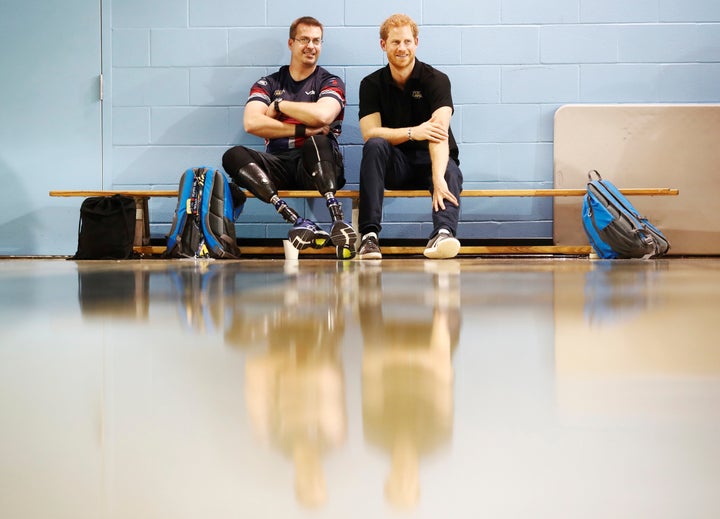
<point>305,238</point>
<point>344,237</point>
<point>445,249</point>
<point>321,241</point>
<point>344,253</point>
<point>370,256</point>
<point>342,234</point>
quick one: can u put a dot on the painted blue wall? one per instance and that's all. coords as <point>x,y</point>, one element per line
<point>50,120</point>
<point>180,71</point>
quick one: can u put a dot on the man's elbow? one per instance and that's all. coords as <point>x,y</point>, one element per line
<point>250,126</point>
<point>324,114</point>
<point>323,120</point>
<point>367,134</point>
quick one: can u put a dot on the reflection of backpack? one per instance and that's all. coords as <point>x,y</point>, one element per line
<point>204,293</point>
<point>614,227</point>
<point>204,221</point>
<point>615,296</point>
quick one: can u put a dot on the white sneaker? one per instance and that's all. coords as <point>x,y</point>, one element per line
<point>442,246</point>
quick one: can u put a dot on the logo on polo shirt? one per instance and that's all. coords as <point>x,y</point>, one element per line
<point>417,94</point>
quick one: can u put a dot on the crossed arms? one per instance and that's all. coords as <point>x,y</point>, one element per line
<point>263,120</point>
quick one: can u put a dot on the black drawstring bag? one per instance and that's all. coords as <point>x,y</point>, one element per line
<point>107,228</point>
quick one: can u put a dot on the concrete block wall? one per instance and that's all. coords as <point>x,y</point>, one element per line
<point>181,71</point>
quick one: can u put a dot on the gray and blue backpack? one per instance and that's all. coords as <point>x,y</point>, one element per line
<point>204,222</point>
<point>615,229</point>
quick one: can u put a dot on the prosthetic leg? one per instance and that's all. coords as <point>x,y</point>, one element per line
<point>304,233</point>
<point>323,173</point>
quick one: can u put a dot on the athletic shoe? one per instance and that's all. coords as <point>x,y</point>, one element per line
<point>306,233</point>
<point>369,247</point>
<point>343,236</point>
<point>442,246</point>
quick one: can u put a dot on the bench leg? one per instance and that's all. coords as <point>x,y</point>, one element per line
<point>355,217</point>
<point>142,223</point>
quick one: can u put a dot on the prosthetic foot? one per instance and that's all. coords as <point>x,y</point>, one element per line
<point>342,235</point>
<point>306,233</point>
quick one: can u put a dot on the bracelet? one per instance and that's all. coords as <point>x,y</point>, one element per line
<point>277,105</point>
<point>300,130</point>
<point>410,134</point>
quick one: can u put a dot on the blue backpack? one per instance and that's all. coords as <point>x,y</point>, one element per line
<point>204,221</point>
<point>614,227</point>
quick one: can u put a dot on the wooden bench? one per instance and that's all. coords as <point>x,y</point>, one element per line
<point>142,222</point>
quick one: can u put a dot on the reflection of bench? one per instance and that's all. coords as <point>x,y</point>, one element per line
<point>142,223</point>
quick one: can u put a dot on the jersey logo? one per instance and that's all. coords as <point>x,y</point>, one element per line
<point>417,94</point>
<point>310,93</point>
<point>278,93</point>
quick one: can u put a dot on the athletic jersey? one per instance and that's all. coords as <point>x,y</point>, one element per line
<point>426,90</point>
<point>281,85</point>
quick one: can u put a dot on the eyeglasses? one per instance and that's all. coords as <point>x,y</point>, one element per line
<point>305,41</point>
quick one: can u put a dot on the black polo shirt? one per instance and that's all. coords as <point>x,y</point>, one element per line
<point>426,90</point>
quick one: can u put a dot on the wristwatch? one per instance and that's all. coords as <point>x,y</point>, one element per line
<point>277,105</point>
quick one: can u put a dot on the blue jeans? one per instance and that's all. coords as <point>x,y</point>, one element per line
<point>385,166</point>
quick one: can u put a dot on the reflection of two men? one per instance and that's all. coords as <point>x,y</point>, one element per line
<point>407,376</point>
<point>295,388</point>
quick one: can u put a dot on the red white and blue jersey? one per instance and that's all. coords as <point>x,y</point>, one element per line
<point>320,83</point>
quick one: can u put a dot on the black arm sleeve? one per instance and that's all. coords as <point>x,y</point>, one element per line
<point>440,93</point>
<point>369,97</point>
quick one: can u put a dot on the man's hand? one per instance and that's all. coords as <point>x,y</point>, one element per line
<point>432,130</point>
<point>322,130</point>
<point>440,194</point>
<point>271,112</point>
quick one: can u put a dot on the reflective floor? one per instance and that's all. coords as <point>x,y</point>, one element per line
<point>471,388</point>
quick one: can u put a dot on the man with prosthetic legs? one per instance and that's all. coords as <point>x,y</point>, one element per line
<point>298,110</point>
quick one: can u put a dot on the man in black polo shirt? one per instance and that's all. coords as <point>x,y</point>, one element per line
<point>405,111</point>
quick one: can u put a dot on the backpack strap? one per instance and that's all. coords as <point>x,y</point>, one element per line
<point>590,175</point>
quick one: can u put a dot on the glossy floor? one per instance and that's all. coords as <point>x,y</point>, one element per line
<point>471,388</point>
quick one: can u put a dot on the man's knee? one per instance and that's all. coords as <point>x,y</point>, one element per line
<point>234,159</point>
<point>242,167</point>
<point>315,149</point>
<point>376,146</point>
<point>323,164</point>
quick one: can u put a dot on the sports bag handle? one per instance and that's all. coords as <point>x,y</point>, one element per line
<point>596,172</point>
